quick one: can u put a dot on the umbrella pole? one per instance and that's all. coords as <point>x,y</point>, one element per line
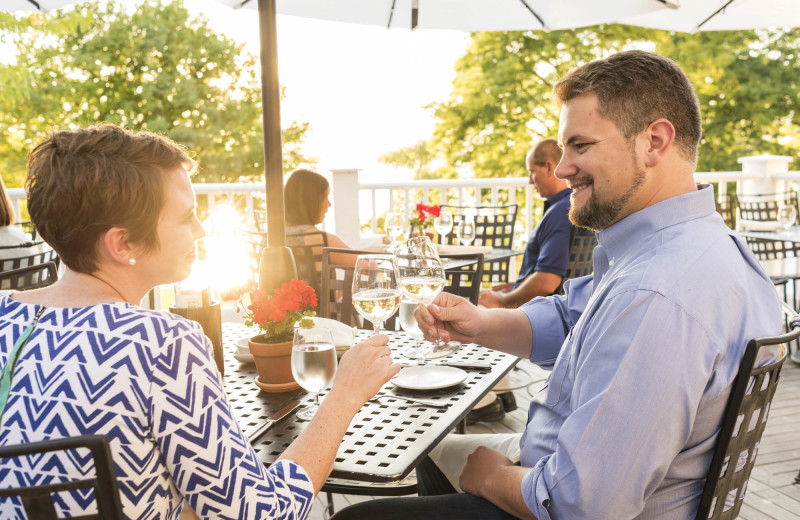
<point>277,264</point>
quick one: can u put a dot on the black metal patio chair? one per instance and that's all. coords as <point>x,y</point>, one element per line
<point>494,226</point>
<point>39,500</point>
<point>581,253</point>
<point>743,424</point>
<point>29,277</point>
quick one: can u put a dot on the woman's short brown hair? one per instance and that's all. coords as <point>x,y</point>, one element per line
<point>304,194</point>
<point>81,183</point>
<point>7,216</point>
<point>635,88</point>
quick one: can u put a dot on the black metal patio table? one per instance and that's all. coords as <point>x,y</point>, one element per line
<point>386,439</point>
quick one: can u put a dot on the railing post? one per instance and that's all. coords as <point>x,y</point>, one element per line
<point>344,189</point>
<point>766,166</point>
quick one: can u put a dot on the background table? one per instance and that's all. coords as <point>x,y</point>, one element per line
<point>386,439</point>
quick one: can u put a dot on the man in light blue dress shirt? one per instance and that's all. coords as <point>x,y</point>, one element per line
<point>643,353</point>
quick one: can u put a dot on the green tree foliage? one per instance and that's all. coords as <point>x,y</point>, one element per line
<point>151,67</point>
<point>746,81</point>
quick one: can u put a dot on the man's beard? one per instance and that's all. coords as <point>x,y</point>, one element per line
<point>597,215</point>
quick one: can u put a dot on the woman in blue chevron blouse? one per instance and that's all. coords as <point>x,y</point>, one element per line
<point>119,209</point>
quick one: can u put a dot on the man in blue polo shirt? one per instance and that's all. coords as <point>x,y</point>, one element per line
<point>547,252</point>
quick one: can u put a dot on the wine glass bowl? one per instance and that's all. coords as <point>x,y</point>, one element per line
<point>443,224</point>
<point>313,363</point>
<point>421,277</point>
<point>465,231</point>
<point>394,225</point>
<point>787,215</point>
<point>375,293</point>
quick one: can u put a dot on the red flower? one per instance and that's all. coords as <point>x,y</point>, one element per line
<point>276,313</point>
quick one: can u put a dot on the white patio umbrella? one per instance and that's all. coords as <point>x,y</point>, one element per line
<point>510,15</point>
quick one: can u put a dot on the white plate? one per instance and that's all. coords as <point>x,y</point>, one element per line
<point>243,358</point>
<point>428,377</point>
<point>243,343</point>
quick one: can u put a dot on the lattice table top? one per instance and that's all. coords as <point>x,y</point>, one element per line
<point>387,438</point>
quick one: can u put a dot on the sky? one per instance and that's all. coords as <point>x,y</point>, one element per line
<point>362,88</point>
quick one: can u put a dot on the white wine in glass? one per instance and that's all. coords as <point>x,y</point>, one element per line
<point>421,278</point>
<point>313,363</point>
<point>375,293</point>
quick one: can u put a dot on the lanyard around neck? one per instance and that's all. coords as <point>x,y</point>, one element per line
<point>8,369</point>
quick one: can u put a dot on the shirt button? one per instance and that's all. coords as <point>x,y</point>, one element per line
<point>611,263</point>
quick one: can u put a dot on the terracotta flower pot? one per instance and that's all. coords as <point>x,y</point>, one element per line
<point>274,364</point>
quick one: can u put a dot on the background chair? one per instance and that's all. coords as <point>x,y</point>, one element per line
<point>581,250</point>
<point>465,280</point>
<point>336,294</point>
<point>742,426</point>
<point>38,500</point>
<point>307,250</point>
<point>14,257</point>
<point>29,277</point>
<point>494,226</point>
<point>763,208</point>
<point>726,206</point>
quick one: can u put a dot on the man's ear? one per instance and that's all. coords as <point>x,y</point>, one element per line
<point>117,246</point>
<point>660,136</point>
<point>551,168</point>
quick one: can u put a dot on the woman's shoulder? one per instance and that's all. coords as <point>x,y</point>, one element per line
<point>119,319</point>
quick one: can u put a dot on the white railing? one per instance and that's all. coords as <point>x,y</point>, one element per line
<point>365,203</point>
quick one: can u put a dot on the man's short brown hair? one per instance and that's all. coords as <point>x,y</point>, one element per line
<point>81,183</point>
<point>635,88</point>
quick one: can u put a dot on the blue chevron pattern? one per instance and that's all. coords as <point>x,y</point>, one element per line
<point>148,382</point>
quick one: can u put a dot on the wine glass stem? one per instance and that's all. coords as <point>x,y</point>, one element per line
<point>376,328</point>
<point>316,399</point>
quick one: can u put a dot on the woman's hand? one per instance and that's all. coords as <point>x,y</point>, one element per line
<point>449,317</point>
<point>363,370</point>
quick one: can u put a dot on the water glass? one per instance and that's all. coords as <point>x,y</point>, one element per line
<point>313,363</point>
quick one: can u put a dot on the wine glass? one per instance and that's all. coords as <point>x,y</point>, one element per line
<point>421,278</point>
<point>410,326</point>
<point>375,294</point>
<point>787,215</point>
<point>313,363</point>
<point>443,224</point>
<point>466,230</point>
<point>394,225</point>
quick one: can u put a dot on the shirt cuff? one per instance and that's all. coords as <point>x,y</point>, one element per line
<point>535,493</point>
<point>542,315</point>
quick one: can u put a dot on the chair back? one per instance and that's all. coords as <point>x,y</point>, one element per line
<point>336,294</point>
<point>763,208</point>
<point>726,206</point>
<point>464,280</point>
<point>39,500</point>
<point>743,424</point>
<point>24,258</point>
<point>29,277</point>
<point>494,226</point>
<point>307,250</point>
<point>581,253</point>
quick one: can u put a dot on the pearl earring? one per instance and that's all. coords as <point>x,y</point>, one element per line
<point>131,261</point>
